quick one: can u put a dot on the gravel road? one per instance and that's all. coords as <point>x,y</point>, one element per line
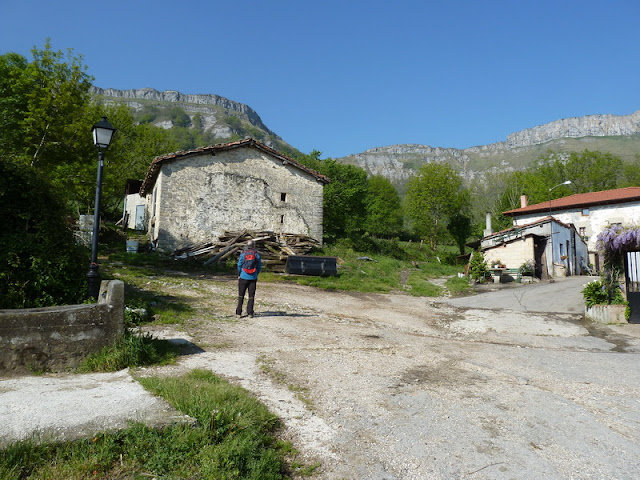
<point>398,387</point>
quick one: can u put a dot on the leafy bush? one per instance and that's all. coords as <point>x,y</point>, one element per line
<point>596,293</point>
<point>40,264</point>
<point>376,246</point>
<point>478,268</point>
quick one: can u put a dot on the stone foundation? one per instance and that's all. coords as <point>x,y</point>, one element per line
<point>59,338</point>
<point>606,314</point>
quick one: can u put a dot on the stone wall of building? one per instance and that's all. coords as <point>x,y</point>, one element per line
<point>200,197</point>
<point>58,338</point>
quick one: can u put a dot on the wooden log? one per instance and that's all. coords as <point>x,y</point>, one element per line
<point>216,257</point>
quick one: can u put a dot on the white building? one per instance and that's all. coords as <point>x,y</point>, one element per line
<point>133,215</point>
<point>590,213</point>
<point>554,248</point>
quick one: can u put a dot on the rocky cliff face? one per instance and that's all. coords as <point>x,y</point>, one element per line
<point>576,127</point>
<point>213,110</point>
<point>399,162</point>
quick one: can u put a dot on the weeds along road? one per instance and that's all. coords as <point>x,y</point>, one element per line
<point>396,387</point>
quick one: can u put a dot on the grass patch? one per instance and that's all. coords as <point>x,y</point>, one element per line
<point>459,286</point>
<point>171,312</point>
<point>133,350</point>
<point>234,437</point>
<point>373,273</point>
<point>420,287</point>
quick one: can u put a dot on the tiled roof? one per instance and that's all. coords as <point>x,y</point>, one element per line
<point>154,168</point>
<point>605,197</point>
<point>527,225</point>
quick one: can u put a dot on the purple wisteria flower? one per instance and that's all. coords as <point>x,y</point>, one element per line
<point>619,239</point>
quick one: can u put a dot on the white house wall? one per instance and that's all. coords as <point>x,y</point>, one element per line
<point>201,197</point>
<point>131,202</point>
<point>598,218</point>
<point>512,254</point>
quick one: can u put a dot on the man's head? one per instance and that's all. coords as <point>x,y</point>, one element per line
<point>250,244</point>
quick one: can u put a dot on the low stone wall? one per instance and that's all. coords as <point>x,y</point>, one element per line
<point>606,314</point>
<point>58,338</point>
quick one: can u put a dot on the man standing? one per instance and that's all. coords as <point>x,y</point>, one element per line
<point>249,266</point>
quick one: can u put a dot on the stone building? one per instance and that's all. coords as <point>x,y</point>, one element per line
<point>194,196</point>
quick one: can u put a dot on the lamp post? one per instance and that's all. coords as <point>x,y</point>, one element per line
<point>102,134</point>
<point>553,263</point>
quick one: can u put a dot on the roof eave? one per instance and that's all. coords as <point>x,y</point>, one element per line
<point>156,163</point>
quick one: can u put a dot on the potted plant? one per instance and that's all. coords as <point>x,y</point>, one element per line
<point>527,269</point>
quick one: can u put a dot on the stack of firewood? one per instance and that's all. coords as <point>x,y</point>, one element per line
<point>274,248</point>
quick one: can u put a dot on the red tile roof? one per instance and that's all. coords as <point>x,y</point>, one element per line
<point>154,168</point>
<point>579,200</point>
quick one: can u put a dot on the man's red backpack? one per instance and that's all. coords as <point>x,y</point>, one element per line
<point>250,262</point>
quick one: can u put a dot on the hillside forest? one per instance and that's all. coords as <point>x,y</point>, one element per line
<point>48,176</point>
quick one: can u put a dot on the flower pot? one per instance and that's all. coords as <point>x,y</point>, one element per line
<point>606,313</point>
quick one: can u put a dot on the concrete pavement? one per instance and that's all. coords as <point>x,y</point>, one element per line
<point>561,296</point>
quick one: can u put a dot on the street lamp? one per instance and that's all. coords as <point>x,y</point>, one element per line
<point>102,134</point>
<point>553,263</point>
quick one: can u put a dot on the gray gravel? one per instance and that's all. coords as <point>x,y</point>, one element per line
<point>396,387</point>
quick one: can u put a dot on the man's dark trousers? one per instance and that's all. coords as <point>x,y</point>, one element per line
<point>243,286</point>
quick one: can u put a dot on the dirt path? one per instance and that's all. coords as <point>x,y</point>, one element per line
<point>396,387</point>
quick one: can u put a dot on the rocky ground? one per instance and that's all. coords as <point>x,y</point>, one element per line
<point>398,387</point>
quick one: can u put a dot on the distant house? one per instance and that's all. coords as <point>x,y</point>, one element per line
<point>556,249</point>
<point>194,196</point>
<point>590,213</point>
<point>133,216</point>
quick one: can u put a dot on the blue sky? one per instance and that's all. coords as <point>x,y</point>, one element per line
<point>344,76</point>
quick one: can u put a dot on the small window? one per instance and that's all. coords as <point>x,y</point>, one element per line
<point>585,212</point>
<point>281,218</point>
<point>283,197</point>
<point>583,234</point>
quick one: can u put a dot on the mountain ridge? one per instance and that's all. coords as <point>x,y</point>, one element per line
<point>605,132</point>
<point>226,120</point>
<point>215,113</point>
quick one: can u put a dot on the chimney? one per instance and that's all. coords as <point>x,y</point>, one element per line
<point>488,230</point>
<point>523,201</point>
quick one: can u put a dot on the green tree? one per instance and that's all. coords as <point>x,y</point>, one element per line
<point>47,115</point>
<point>344,199</point>
<point>383,207</point>
<point>631,173</point>
<point>589,171</point>
<point>593,171</point>
<point>432,196</point>
<point>50,93</point>
<point>40,265</point>
<point>460,229</point>
<point>13,102</point>
<point>129,156</point>
<point>179,117</point>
